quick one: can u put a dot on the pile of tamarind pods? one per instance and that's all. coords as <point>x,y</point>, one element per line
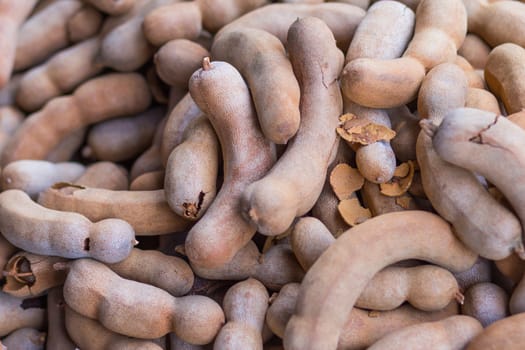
<point>256,174</point>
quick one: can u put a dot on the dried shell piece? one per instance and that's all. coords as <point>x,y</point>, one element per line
<point>355,130</point>
<point>401,181</point>
<point>345,180</point>
<point>352,211</point>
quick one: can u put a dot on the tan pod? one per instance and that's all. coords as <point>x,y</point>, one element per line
<point>482,99</point>
<point>507,333</point>
<point>57,335</point>
<point>475,51</point>
<point>151,159</point>
<point>106,175</point>
<point>39,230</point>
<point>90,290</point>
<point>151,181</point>
<point>18,313</point>
<point>112,7</point>
<point>245,305</point>
<point>84,24</point>
<point>146,211</point>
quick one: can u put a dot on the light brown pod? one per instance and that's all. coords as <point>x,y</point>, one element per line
<point>35,176</point>
<point>507,333</point>
<point>44,33</point>
<point>176,61</point>
<point>91,335</point>
<point>482,99</point>
<point>39,230</point>
<point>190,183</point>
<point>60,74</point>
<point>167,272</point>
<point>6,250</point>
<point>497,22</point>
<point>293,185</point>
<point>273,85</point>
<point>362,328</point>
<point>29,275</point>
<point>245,305</point>
<point>216,15</point>
<point>84,24</point>
<point>505,74</point>
<point>406,126</point>
<point>274,268</point>
<point>117,95</point>
<point>452,333</point>
<point>483,224</point>
<point>476,140</point>
<point>57,335</point>
<point>18,313</point>
<point>90,290</point>
<point>221,93</point>
<point>112,7</point>
<point>106,175</point>
<point>146,211</point>
<point>475,51</point>
<point>474,77</point>
<point>396,82</point>
<point>487,302</point>
<point>151,181</point>
<point>512,267</point>
<point>151,159</point>
<point>67,147</point>
<point>344,264</point>
<point>10,119</point>
<point>12,14</point>
<point>123,138</point>
<point>25,339</point>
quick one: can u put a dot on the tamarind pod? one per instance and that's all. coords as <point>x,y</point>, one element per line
<point>57,335</point>
<point>19,313</point>
<point>487,302</point>
<point>506,333</point>
<point>106,175</point>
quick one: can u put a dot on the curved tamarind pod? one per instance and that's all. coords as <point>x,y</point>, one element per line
<point>507,333</point>
<point>57,335</point>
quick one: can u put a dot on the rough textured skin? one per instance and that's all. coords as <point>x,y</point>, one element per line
<point>262,60</point>
<point>91,335</point>
<point>478,273</point>
<point>483,224</point>
<point>505,75</point>
<point>487,144</point>
<point>487,302</point>
<point>14,316</point>
<point>190,182</point>
<point>508,334</point>
<point>325,299</point>
<point>12,15</point>
<point>39,230</point>
<point>146,211</point>
<point>245,305</point>
<point>44,33</point>
<point>293,185</point>
<point>101,98</point>
<point>451,333</point>
<point>60,74</point>
<point>396,82</point>
<point>221,93</point>
<point>497,22</point>
<point>91,290</point>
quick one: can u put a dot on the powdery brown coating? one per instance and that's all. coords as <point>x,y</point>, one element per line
<point>487,302</point>
<point>91,290</point>
<point>325,299</point>
<point>276,19</point>
<point>57,335</point>
<point>262,60</point>
<point>12,16</point>
<point>245,305</point>
<point>505,75</point>
<point>167,272</point>
<point>362,328</point>
<point>487,144</point>
<point>221,93</point>
<point>44,33</point>
<point>106,175</point>
<point>274,268</point>
<point>475,50</point>
<point>483,224</point>
<point>15,315</point>
<point>182,115</point>
<point>397,81</point>
<point>60,74</point>
<point>146,211</point>
<point>176,61</point>
<point>123,138</point>
<point>426,287</point>
<point>293,185</point>
<point>39,230</point>
<point>25,339</point>
<point>190,183</point>
<point>98,99</point>
<point>35,176</point>
<point>507,333</point>
<point>91,335</point>
<point>451,333</point>
<point>497,22</point>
